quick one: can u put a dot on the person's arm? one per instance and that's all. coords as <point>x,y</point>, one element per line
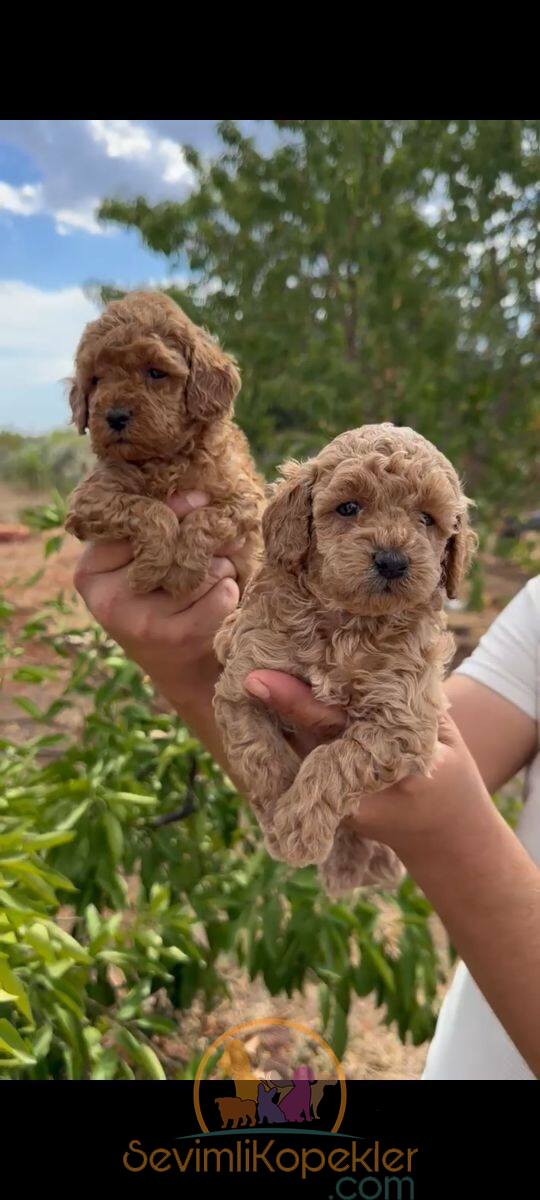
<point>477,875</point>
<point>502,738</point>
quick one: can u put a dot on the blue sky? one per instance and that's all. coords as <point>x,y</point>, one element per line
<point>53,175</point>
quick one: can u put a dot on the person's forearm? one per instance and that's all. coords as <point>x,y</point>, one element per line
<point>196,710</point>
<point>198,715</point>
<point>486,891</point>
<point>500,737</point>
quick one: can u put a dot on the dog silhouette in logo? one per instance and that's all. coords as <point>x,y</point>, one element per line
<point>240,1112</point>
<point>268,1109</point>
<point>296,1105</point>
<point>317,1089</point>
<point>235,1063</point>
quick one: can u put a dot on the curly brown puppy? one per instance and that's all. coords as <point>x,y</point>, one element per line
<point>361,544</point>
<point>156,394</point>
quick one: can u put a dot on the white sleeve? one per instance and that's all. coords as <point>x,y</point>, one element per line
<point>507,658</point>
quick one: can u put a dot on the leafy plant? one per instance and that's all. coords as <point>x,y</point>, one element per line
<point>53,460</point>
<point>130,870</point>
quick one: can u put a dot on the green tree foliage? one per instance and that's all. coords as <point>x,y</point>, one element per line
<point>366,271</point>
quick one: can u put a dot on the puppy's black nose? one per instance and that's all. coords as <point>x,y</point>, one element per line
<point>118,418</point>
<point>391,564</point>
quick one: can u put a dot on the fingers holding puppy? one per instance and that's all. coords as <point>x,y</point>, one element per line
<point>294,703</point>
<point>166,634</point>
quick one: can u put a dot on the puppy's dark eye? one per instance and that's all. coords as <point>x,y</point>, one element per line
<point>349,509</point>
<point>94,381</point>
<point>153,373</point>
<point>426,519</point>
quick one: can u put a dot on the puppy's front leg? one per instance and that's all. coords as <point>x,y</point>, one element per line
<point>198,537</point>
<point>255,746</point>
<point>330,783</point>
<point>101,513</point>
<point>355,861</point>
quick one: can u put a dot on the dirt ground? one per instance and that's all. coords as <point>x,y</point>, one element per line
<point>374,1051</point>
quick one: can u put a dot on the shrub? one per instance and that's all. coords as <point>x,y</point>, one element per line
<point>132,826</point>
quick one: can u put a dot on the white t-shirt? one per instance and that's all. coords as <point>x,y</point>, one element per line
<point>470,1042</point>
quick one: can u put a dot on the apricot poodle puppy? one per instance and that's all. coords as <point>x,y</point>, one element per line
<point>156,394</point>
<point>361,544</point>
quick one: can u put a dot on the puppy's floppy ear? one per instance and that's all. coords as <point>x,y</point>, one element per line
<point>213,380</point>
<point>287,519</point>
<point>460,548</point>
<point>79,405</point>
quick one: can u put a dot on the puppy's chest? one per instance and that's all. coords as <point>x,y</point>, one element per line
<point>354,669</point>
<point>162,479</point>
<point>344,673</point>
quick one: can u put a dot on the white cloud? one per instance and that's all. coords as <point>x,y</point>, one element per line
<point>121,139</point>
<point>84,162</point>
<point>39,332</point>
<point>135,143</point>
<point>24,201</point>
<point>68,219</point>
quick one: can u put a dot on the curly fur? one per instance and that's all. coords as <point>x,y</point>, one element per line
<point>318,609</point>
<point>179,435</point>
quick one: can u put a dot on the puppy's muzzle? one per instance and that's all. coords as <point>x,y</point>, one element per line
<point>390,564</point>
<point>118,418</point>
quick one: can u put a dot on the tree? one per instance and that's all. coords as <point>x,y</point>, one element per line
<point>367,271</point>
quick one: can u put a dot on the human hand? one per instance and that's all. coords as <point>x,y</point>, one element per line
<point>294,703</point>
<point>411,812</point>
<point>170,638</point>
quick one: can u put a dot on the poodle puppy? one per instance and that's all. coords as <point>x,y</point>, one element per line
<point>156,394</point>
<point>361,543</point>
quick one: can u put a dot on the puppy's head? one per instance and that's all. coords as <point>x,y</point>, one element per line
<point>377,522</point>
<point>146,376</point>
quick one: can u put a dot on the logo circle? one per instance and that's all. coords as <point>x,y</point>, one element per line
<point>265,1022</point>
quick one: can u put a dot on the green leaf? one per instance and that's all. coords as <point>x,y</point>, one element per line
<point>28,674</point>
<point>114,835</point>
<point>271,924</point>
<point>141,1055</point>
<point>76,951</point>
<point>11,984</point>
<point>339,1031</point>
<point>41,1042</point>
<point>12,1042</point>
<point>381,966</point>
<point>28,706</point>
<point>52,545</point>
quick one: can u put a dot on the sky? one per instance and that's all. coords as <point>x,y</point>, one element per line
<point>53,176</point>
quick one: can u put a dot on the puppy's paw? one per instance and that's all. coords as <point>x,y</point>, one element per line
<point>145,576</point>
<point>356,862</point>
<point>301,839</point>
<point>182,581</point>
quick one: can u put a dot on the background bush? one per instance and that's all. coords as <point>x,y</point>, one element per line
<point>135,829</point>
<point>54,460</point>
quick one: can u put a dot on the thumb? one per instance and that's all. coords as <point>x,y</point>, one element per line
<point>293,701</point>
